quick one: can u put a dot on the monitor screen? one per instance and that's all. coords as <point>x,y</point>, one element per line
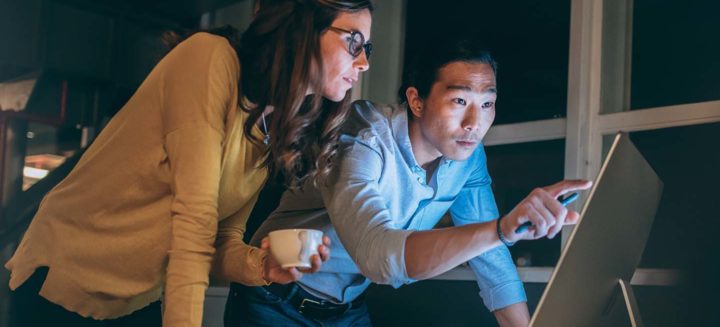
<point>605,246</point>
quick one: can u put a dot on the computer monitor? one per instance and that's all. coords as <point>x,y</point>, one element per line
<point>590,285</point>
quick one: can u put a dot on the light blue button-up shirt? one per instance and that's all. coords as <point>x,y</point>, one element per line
<point>377,196</point>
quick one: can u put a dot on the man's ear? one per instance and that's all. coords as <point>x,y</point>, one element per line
<point>415,102</point>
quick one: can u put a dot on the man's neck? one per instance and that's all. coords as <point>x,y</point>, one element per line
<point>425,154</point>
<point>430,169</point>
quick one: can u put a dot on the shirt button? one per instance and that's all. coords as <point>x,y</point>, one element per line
<point>420,180</point>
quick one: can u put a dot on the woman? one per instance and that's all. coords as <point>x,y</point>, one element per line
<point>169,183</point>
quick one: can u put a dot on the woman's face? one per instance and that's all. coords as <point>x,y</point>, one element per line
<point>341,69</point>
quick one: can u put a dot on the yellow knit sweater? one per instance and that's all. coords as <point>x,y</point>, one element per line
<point>170,175</point>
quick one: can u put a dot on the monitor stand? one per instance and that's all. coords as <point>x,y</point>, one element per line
<point>622,311</point>
<point>630,303</point>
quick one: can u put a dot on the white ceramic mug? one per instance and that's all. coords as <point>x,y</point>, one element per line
<point>294,247</point>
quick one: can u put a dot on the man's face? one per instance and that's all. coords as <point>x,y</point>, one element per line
<point>458,111</point>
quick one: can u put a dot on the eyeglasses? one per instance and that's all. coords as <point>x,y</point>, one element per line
<point>356,42</point>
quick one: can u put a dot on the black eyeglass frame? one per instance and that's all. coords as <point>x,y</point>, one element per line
<point>367,46</point>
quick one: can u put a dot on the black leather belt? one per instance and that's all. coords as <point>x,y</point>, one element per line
<point>309,305</point>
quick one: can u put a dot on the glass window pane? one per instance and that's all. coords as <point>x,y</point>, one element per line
<point>659,53</point>
<point>516,170</point>
<point>530,45</point>
<point>676,54</point>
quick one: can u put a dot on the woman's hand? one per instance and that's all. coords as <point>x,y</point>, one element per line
<point>274,273</point>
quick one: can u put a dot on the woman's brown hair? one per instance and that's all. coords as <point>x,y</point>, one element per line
<point>280,60</point>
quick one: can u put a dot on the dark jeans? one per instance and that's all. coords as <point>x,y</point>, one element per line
<point>256,306</point>
<point>31,309</point>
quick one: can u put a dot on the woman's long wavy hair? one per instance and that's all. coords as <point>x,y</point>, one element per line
<point>280,60</point>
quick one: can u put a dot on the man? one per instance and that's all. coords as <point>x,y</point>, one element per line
<point>398,170</point>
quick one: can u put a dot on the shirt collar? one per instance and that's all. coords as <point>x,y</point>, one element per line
<point>401,133</point>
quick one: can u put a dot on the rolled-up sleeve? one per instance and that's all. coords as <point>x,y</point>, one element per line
<point>496,274</point>
<point>361,218</point>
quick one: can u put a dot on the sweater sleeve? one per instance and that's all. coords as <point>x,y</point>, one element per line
<point>234,260</point>
<point>198,81</point>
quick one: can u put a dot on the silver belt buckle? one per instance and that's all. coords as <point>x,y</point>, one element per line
<point>302,304</point>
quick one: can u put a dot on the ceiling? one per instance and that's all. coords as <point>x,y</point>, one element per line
<point>182,12</point>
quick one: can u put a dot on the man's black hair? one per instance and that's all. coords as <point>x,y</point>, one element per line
<point>423,71</point>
